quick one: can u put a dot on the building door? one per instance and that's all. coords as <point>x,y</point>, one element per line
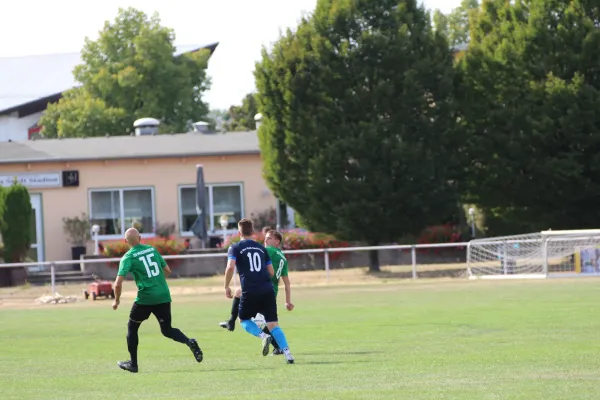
<point>36,252</point>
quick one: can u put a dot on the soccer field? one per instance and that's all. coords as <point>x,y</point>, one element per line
<point>409,340</point>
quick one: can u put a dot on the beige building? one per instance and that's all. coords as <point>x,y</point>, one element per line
<point>118,180</point>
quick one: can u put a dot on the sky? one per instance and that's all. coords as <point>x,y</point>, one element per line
<point>242,28</point>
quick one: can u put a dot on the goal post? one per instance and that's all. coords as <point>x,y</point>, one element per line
<point>535,255</point>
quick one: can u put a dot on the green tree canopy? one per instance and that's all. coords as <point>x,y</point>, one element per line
<point>455,26</point>
<point>440,23</point>
<point>529,92</point>
<point>241,118</point>
<point>357,120</point>
<point>131,72</point>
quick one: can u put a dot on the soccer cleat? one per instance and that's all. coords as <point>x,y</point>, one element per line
<point>193,345</point>
<point>277,352</point>
<point>289,358</point>
<point>229,325</point>
<point>127,366</point>
<point>266,342</point>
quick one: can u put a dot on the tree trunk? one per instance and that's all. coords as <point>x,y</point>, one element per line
<point>374,260</point>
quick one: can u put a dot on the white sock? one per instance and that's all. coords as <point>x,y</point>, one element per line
<point>263,335</point>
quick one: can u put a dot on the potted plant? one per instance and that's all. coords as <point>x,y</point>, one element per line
<point>165,231</point>
<point>78,230</point>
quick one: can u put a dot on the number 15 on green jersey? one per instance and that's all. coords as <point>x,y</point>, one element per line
<point>146,265</point>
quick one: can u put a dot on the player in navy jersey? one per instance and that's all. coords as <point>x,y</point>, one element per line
<point>258,296</point>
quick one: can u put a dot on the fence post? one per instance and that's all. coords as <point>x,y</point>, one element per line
<point>505,259</point>
<point>545,254</point>
<point>326,255</point>
<point>53,278</point>
<point>413,253</point>
<point>469,272</point>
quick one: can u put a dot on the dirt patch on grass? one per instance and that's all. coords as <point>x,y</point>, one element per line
<point>24,296</point>
<point>200,289</point>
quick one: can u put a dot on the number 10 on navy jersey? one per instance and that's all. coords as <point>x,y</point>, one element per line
<point>251,260</point>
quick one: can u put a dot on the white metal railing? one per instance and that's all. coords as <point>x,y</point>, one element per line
<point>412,247</point>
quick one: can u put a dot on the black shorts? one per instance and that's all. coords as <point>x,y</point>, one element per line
<point>254,303</point>
<point>141,312</point>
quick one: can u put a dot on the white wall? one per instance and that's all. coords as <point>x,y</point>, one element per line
<point>14,128</point>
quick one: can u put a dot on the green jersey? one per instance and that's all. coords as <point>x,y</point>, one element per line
<point>146,265</point>
<point>280,265</point>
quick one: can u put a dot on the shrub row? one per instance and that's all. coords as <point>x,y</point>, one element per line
<point>165,246</point>
<point>299,240</point>
<point>294,240</point>
<point>441,234</point>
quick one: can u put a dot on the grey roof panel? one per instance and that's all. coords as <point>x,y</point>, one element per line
<point>124,147</point>
<point>26,79</point>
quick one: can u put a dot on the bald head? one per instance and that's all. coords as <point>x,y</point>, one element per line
<point>132,236</point>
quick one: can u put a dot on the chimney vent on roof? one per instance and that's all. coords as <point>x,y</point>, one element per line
<point>146,126</point>
<point>201,126</point>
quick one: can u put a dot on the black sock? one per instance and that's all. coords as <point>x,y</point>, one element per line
<point>273,341</point>
<point>174,333</point>
<point>132,341</point>
<point>235,309</point>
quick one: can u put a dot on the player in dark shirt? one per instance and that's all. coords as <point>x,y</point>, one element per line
<point>258,296</point>
<point>273,241</point>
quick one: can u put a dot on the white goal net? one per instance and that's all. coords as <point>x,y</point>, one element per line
<point>535,255</point>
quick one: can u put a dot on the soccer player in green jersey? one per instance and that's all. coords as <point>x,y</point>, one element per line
<point>149,271</point>
<point>273,241</point>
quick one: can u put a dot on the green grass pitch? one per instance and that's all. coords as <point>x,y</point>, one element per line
<point>410,340</point>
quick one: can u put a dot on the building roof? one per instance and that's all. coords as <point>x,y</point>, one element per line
<point>25,80</point>
<point>129,147</point>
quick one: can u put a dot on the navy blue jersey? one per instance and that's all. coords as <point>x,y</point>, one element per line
<point>251,259</point>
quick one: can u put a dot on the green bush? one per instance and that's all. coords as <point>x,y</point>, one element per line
<point>16,223</point>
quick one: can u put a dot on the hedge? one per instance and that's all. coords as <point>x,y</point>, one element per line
<point>165,247</point>
<point>441,234</point>
<point>299,240</point>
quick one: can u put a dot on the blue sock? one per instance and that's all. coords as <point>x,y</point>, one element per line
<point>250,327</point>
<point>279,336</point>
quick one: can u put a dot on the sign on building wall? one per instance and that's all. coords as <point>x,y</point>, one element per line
<point>40,180</point>
<point>70,178</point>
